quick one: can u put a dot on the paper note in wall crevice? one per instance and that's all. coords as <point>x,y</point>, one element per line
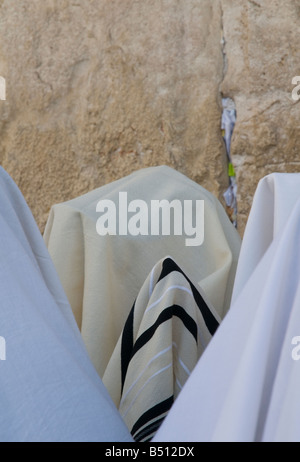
<point>227,127</point>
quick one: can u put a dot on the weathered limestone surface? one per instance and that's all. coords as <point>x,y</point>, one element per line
<point>98,89</point>
<point>263,55</point>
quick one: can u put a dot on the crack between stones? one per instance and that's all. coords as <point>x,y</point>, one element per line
<point>223,45</point>
<point>228,121</point>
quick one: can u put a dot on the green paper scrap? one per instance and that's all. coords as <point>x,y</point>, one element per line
<point>231,171</point>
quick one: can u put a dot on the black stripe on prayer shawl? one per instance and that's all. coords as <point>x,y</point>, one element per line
<point>149,431</point>
<point>154,413</point>
<point>165,315</point>
<point>127,344</point>
<point>212,324</point>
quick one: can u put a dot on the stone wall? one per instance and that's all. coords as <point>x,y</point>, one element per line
<point>98,89</point>
<point>263,55</point>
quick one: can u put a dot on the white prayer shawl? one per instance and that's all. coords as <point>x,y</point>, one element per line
<point>245,387</point>
<point>49,389</point>
<point>102,275</point>
<point>273,203</point>
<point>165,334</point>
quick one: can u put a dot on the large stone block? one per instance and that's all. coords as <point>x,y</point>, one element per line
<point>263,55</point>
<point>98,89</point>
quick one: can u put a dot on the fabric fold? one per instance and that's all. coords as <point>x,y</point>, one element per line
<point>49,389</point>
<point>103,274</point>
<point>167,330</point>
<point>245,386</point>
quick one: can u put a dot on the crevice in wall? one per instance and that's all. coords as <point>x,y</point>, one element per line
<point>223,43</point>
<point>227,127</point>
<point>228,121</point>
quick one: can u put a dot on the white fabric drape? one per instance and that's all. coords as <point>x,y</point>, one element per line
<point>49,389</point>
<point>167,330</point>
<point>246,385</point>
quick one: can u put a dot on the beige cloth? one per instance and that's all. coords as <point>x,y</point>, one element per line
<point>102,275</point>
